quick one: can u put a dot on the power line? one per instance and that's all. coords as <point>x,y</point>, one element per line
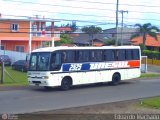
<point>57,5</point>
<point>84,7</point>
<point>93,22</point>
<point>144,19</point>
<point>68,13</point>
<point>112,3</point>
<point>81,7</point>
<point>83,21</point>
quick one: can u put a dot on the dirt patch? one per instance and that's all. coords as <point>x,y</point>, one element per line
<point>108,111</point>
<point>130,106</point>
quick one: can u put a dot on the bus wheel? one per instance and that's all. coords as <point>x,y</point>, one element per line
<point>66,83</point>
<point>116,79</point>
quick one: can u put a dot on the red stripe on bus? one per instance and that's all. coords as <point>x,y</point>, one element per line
<point>135,63</point>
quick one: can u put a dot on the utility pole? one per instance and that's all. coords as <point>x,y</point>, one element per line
<point>117,22</point>
<point>30,37</point>
<point>122,12</point>
<point>2,72</point>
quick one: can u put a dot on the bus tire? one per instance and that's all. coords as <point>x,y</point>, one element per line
<point>66,83</point>
<point>116,78</point>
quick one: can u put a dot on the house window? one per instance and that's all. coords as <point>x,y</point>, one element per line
<point>14,27</point>
<point>20,48</point>
<point>34,30</point>
<point>1,47</point>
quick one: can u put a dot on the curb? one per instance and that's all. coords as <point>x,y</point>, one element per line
<point>9,88</point>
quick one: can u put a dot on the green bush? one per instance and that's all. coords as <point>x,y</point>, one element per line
<point>155,54</point>
<point>151,54</point>
<point>143,47</point>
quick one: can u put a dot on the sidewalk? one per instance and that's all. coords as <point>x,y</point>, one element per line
<point>153,68</point>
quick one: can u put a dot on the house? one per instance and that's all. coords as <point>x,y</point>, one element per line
<point>63,29</point>
<point>124,34</point>
<point>24,35</point>
<point>83,39</point>
<point>151,43</point>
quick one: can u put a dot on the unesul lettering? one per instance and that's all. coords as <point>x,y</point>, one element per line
<point>122,64</point>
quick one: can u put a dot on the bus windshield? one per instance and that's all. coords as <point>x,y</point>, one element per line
<point>39,61</point>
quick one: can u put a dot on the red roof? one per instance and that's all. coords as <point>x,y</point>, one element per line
<point>150,41</point>
<point>64,29</point>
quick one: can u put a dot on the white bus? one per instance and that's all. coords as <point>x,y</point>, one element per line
<point>69,66</point>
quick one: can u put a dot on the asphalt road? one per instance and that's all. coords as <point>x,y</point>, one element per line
<point>31,99</point>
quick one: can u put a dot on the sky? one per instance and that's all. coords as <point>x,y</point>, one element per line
<point>101,13</point>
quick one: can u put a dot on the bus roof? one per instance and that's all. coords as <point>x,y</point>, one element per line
<point>51,49</point>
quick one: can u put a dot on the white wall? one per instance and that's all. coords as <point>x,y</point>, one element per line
<point>14,55</point>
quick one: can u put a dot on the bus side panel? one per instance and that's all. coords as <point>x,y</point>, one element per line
<point>103,76</point>
<point>83,77</point>
<point>76,77</point>
<point>89,77</point>
<point>55,80</point>
<point>133,73</point>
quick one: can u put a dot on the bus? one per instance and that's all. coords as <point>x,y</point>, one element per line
<point>68,66</point>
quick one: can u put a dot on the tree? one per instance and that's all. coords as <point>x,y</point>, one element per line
<point>65,39</point>
<point>73,26</point>
<point>91,30</point>
<point>144,30</point>
<point>111,42</point>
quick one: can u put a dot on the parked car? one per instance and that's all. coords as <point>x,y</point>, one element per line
<point>21,65</point>
<point>5,59</point>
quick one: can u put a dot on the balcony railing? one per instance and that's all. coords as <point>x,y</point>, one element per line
<point>46,34</point>
<point>57,34</point>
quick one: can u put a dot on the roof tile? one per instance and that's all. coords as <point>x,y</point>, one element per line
<point>150,41</point>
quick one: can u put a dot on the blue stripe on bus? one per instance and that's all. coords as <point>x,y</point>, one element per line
<point>96,66</point>
<point>76,67</point>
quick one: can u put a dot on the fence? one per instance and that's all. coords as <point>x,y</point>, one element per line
<point>153,62</point>
<point>14,55</point>
<point>143,64</point>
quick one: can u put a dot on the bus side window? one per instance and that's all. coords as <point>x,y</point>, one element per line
<point>109,55</point>
<point>93,55</point>
<point>82,56</point>
<point>135,54</point>
<point>79,56</point>
<point>56,62</point>
<point>121,55</point>
<point>85,56</point>
<point>70,56</point>
<point>64,57</point>
<point>115,53</point>
<point>33,62</point>
<point>129,54</point>
<point>96,55</point>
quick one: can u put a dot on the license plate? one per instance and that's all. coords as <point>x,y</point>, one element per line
<point>37,84</point>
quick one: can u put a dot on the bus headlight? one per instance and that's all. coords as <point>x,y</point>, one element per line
<point>45,77</point>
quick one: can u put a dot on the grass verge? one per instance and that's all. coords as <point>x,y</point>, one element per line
<point>151,102</point>
<point>19,78</point>
<point>146,75</point>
